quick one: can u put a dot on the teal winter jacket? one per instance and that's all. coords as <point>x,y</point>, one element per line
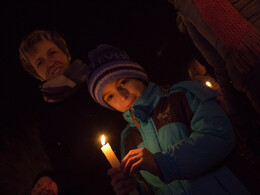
<point>189,135</point>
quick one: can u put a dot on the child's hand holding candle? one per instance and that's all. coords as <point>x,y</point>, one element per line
<point>113,160</point>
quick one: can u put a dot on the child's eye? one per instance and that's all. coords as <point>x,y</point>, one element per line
<point>123,82</point>
<point>109,98</point>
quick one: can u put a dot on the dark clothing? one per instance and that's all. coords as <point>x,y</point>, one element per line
<point>239,82</point>
<point>70,131</point>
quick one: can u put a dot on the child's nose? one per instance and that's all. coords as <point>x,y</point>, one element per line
<point>122,94</point>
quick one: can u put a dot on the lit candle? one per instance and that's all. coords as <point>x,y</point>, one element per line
<point>208,84</point>
<point>110,155</point>
<point>113,160</point>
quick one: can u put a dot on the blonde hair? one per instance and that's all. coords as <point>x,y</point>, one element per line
<point>28,45</point>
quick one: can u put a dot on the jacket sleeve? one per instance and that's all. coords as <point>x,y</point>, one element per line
<point>211,140</point>
<point>233,29</point>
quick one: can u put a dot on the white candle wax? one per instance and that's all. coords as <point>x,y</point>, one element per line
<point>113,160</point>
<point>110,155</point>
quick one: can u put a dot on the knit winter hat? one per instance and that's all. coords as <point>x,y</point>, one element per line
<point>107,64</point>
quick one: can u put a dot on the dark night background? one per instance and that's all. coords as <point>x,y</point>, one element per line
<point>145,29</point>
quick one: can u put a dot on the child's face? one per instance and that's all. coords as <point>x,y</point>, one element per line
<point>121,94</point>
<point>48,60</point>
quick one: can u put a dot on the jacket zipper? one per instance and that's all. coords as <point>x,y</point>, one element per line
<point>137,124</point>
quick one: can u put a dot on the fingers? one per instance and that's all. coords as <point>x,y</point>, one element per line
<point>130,154</point>
<point>39,188</point>
<point>47,192</point>
<point>43,190</point>
<point>54,188</point>
<point>140,159</point>
<point>45,186</point>
<point>118,176</point>
<point>113,171</point>
<point>122,183</point>
<point>123,188</point>
<point>133,161</point>
<point>132,164</point>
<point>136,166</point>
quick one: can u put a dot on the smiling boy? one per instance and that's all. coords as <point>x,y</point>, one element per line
<point>175,142</point>
<point>122,93</point>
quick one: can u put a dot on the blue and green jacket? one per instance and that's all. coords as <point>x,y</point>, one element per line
<point>189,135</point>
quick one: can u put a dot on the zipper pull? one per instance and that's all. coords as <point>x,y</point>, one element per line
<point>137,124</point>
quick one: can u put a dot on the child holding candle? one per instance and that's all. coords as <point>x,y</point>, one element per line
<point>175,143</point>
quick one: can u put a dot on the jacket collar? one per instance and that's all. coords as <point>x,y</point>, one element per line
<point>145,104</point>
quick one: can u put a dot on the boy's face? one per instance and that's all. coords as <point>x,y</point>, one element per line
<point>48,60</point>
<point>121,94</point>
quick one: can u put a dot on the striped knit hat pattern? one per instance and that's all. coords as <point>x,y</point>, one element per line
<point>107,64</point>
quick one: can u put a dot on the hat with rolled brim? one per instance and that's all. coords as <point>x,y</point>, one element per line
<point>107,64</point>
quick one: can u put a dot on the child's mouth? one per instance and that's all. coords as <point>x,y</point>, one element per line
<point>132,102</point>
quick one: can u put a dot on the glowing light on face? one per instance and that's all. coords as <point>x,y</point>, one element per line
<point>122,93</point>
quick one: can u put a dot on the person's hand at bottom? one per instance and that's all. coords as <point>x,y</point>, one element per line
<point>45,186</point>
<point>122,183</point>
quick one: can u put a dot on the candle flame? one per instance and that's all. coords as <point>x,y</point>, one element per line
<point>208,84</point>
<point>103,139</point>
